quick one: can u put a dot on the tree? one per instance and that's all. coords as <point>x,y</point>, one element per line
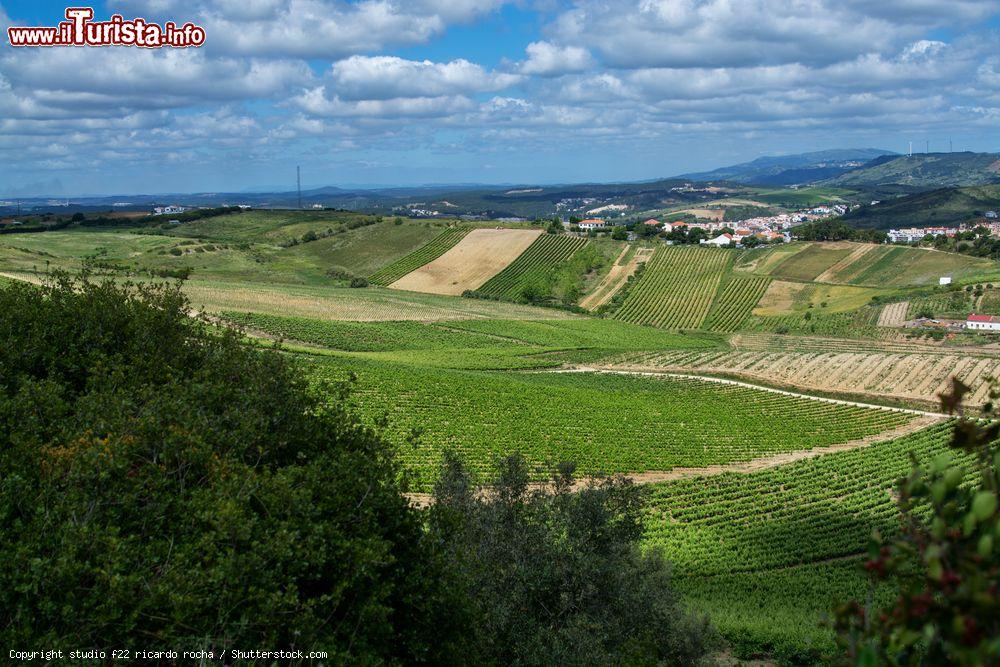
<point>163,482</point>
<point>619,234</point>
<point>946,560</point>
<point>77,217</point>
<point>556,576</point>
<point>555,226</point>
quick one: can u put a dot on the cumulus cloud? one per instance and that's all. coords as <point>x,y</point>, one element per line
<point>384,77</point>
<point>546,59</point>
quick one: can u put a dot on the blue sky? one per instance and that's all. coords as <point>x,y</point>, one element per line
<point>488,91</point>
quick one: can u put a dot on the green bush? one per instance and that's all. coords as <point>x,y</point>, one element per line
<point>164,483</point>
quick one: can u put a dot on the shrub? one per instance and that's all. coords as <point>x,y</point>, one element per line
<point>176,252</point>
<point>358,281</point>
<point>947,560</point>
<point>165,483</point>
<point>556,576</point>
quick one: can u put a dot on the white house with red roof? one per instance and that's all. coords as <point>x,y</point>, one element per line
<point>982,322</point>
<point>592,223</point>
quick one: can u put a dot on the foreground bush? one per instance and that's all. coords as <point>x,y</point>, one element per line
<point>163,484</point>
<point>946,560</point>
<point>555,577</point>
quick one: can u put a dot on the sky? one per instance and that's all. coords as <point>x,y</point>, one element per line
<point>409,92</point>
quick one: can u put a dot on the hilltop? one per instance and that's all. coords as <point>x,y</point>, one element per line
<point>922,171</point>
<point>793,169</point>
<point>941,207</point>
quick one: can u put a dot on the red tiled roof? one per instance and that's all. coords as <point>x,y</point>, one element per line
<point>679,224</point>
<point>652,221</point>
<point>590,221</point>
<point>980,318</point>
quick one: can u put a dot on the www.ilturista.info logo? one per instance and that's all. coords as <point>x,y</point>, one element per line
<point>80,30</point>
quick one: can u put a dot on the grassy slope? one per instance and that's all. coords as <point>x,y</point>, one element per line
<point>434,248</point>
<point>947,206</point>
<point>926,170</point>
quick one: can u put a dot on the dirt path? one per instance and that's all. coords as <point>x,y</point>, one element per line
<point>893,314</point>
<point>705,378</point>
<point>744,467</point>
<point>615,279</point>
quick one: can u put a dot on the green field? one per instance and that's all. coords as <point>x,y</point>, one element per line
<point>876,266</point>
<point>736,299</point>
<point>603,423</point>
<point>533,266</point>
<point>768,554</point>
<point>677,288</point>
<point>438,246</point>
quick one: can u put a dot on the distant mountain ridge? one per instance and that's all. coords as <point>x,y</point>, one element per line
<point>793,169</point>
<point>923,171</point>
<point>946,207</point>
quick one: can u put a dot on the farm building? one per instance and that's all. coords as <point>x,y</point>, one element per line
<point>720,240</point>
<point>592,223</point>
<point>982,322</point>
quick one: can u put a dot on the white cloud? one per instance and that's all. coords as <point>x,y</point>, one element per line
<point>385,77</point>
<point>315,101</point>
<point>546,59</point>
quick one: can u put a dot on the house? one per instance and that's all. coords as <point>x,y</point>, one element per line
<point>944,280</point>
<point>592,223</point>
<point>653,222</point>
<point>722,240</point>
<point>991,214</point>
<point>982,322</point>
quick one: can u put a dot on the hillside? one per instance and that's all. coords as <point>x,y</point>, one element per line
<point>792,169</point>
<point>943,207</point>
<point>923,170</point>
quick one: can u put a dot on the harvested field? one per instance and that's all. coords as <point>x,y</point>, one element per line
<point>893,314</point>
<point>907,377</point>
<point>716,214</point>
<point>616,278</point>
<point>779,298</point>
<point>479,256</point>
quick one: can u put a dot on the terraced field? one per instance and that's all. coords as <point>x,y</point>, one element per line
<point>437,247</point>
<point>907,377</point>
<point>768,554</point>
<point>677,288</point>
<point>735,301</point>
<point>534,264</point>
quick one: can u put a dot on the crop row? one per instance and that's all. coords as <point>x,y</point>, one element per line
<point>546,252</point>
<point>676,289</point>
<point>604,423</point>
<point>736,300</point>
<point>436,247</point>
<point>761,552</point>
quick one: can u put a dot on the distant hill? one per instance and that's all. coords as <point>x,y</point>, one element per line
<point>941,207</point>
<point>793,169</point>
<point>923,171</point>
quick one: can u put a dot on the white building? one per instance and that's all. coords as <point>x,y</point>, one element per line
<point>168,210</point>
<point>982,323</point>
<point>592,223</point>
<point>944,280</point>
<point>722,240</point>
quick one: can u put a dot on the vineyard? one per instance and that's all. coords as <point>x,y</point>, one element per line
<point>532,266</point>
<point>608,423</point>
<point>910,377</point>
<point>437,247</point>
<point>766,554</point>
<point>734,303</point>
<point>676,289</point>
